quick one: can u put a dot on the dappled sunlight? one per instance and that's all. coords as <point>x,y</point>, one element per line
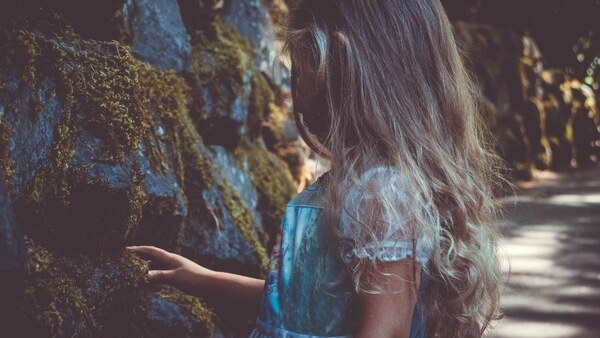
<point>528,250</point>
<point>530,264</point>
<point>550,259</point>
<point>535,329</point>
<point>575,200</point>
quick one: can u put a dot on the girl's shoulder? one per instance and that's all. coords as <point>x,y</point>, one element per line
<point>312,196</point>
<point>378,219</point>
<point>378,181</point>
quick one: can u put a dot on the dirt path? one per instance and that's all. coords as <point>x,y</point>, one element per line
<point>552,242</point>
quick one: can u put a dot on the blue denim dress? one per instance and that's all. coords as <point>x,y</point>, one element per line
<point>308,290</point>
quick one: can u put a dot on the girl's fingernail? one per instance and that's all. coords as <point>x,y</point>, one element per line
<point>152,275</point>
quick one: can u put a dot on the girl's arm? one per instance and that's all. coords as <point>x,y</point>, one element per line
<point>389,314</point>
<point>221,289</point>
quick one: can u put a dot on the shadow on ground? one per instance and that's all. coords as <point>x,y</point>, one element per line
<point>552,251</point>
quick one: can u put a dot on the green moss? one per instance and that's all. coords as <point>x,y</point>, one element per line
<point>245,222</point>
<point>268,118</point>
<point>110,94</point>
<point>114,276</point>
<point>52,305</point>
<point>220,56</point>
<point>261,98</point>
<point>168,95</point>
<point>201,315</point>
<point>278,11</point>
<point>169,98</point>
<point>277,118</point>
<point>6,163</point>
<point>98,78</point>
<point>199,175</point>
<point>40,259</point>
<point>31,53</point>
<point>273,127</point>
<point>103,89</point>
<point>272,180</point>
<point>73,296</point>
<point>137,317</point>
<point>98,86</point>
<point>222,60</point>
<point>177,148</point>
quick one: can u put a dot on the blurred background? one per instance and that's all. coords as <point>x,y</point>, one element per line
<point>537,64</point>
<point>167,122</point>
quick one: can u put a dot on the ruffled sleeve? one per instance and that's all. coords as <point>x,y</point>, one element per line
<point>376,222</point>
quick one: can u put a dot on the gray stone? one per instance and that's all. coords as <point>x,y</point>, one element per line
<point>167,313</point>
<point>239,178</point>
<point>224,124</point>
<point>32,131</point>
<point>92,160</point>
<point>252,20</point>
<point>166,206</point>
<point>158,33</point>
<point>13,253</point>
<point>217,242</point>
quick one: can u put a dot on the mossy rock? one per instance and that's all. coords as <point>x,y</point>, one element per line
<point>224,234</point>
<point>222,61</point>
<point>160,312</point>
<point>70,296</point>
<point>118,157</point>
<point>52,305</point>
<point>280,134</point>
<point>103,297</point>
<point>278,11</point>
<point>30,110</point>
<point>165,162</point>
<point>99,111</point>
<point>156,33</point>
<point>274,183</point>
<point>214,206</point>
<point>13,255</point>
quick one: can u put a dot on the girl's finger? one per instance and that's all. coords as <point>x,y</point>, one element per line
<point>160,276</point>
<point>152,253</point>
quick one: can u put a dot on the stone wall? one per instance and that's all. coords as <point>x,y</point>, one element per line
<point>136,122</point>
<point>540,118</point>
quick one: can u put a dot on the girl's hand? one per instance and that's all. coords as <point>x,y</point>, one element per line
<point>237,294</point>
<point>172,269</point>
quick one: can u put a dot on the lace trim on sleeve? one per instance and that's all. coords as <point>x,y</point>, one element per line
<point>391,251</point>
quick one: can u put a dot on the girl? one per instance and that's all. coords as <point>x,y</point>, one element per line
<point>396,239</point>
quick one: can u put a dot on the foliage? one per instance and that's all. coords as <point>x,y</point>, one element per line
<point>568,32</point>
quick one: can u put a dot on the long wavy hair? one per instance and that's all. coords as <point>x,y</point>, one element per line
<point>383,82</point>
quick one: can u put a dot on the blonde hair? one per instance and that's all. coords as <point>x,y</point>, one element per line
<point>383,82</point>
